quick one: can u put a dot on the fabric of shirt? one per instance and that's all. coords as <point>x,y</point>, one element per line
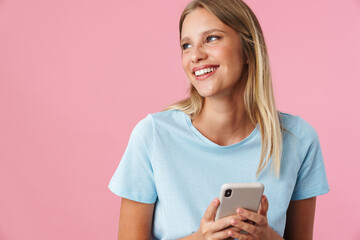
<point>170,163</point>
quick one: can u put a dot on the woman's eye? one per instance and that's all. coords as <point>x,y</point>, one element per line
<point>185,46</point>
<point>208,39</point>
<point>212,37</point>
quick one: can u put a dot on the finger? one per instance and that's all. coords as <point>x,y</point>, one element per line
<point>264,206</point>
<point>224,234</point>
<point>235,229</point>
<point>223,223</point>
<point>255,217</point>
<point>252,229</point>
<point>240,235</point>
<point>210,212</point>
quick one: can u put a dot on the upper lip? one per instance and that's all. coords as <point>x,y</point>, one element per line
<point>203,66</point>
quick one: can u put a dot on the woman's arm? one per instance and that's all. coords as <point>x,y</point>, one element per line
<point>300,219</point>
<point>135,220</point>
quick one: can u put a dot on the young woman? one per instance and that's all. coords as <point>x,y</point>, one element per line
<point>227,131</point>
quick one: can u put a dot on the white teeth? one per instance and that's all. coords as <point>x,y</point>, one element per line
<point>204,71</point>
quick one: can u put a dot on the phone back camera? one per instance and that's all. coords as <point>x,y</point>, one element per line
<point>228,192</point>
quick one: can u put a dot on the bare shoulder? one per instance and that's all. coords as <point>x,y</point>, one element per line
<point>300,219</point>
<point>135,220</point>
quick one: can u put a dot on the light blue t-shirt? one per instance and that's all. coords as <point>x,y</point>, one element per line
<point>170,163</point>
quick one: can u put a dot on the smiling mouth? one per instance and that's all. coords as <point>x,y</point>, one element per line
<point>205,71</point>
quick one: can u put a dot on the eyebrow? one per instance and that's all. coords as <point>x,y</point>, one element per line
<point>203,33</point>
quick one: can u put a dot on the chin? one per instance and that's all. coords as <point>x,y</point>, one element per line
<point>207,93</point>
<point>207,90</point>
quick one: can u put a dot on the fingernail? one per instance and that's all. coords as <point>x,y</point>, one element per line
<point>240,211</point>
<point>234,222</point>
<point>231,233</point>
<point>215,202</point>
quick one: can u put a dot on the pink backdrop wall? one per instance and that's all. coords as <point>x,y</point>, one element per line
<point>76,76</point>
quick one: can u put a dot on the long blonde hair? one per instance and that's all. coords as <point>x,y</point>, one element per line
<point>258,95</point>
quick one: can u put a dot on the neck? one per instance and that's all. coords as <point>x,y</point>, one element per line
<point>224,120</point>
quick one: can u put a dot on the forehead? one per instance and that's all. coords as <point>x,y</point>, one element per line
<point>201,20</point>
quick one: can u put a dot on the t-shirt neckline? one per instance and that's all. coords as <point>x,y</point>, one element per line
<point>211,143</point>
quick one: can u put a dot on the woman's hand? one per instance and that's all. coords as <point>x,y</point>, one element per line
<point>257,228</point>
<point>220,229</point>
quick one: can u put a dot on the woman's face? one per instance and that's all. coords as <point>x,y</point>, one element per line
<point>212,55</point>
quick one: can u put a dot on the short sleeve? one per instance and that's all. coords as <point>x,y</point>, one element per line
<point>311,178</point>
<point>134,177</point>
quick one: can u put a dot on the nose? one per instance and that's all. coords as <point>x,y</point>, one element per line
<point>198,54</point>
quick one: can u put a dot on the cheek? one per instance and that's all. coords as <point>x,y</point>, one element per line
<point>185,62</point>
<point>232,55</point>
<point>224,56</point>
<point>219,53</point>
<point>233,60</point>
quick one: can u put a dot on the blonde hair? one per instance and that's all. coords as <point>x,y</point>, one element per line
<point>258,95</point>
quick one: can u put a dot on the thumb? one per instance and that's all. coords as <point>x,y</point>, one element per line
<point>210,212</point>
<point>264,206</point>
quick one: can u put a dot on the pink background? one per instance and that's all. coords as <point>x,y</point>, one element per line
<point>76,76</point>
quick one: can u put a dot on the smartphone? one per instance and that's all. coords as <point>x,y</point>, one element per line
<point>235,195</point>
